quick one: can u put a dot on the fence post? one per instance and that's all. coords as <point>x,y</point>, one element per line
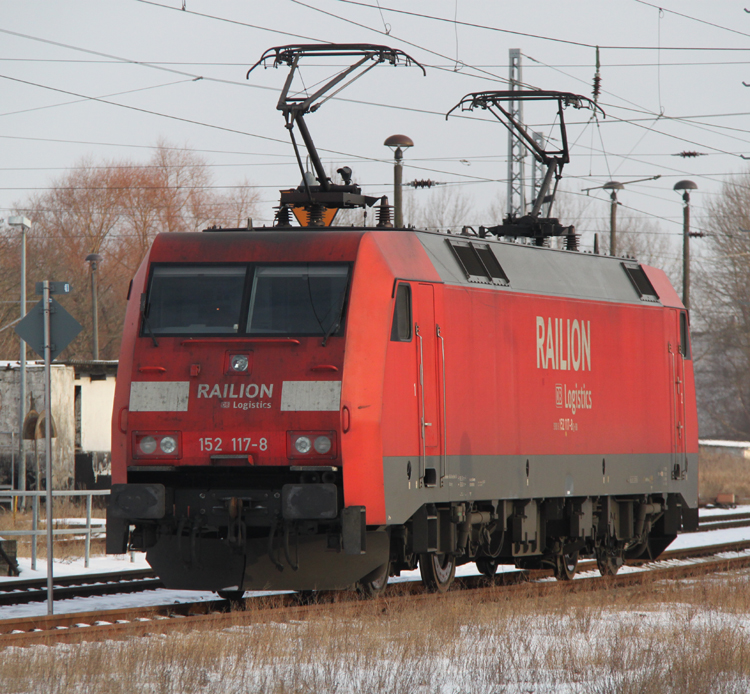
<point>34,527</point>
<point>13,468</point>
<point>88,529</point>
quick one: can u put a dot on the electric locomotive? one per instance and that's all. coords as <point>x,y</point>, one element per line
<point>314,407</point>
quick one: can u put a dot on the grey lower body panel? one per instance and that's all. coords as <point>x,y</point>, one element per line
<point>478,478</point>
<point>212,564</point>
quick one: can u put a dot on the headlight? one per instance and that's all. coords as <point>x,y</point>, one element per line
<point>156,444</point>
<point>147,445</point>
<point>302,444</point>
<point>322,444</point>
<point>167,444</point>
<point>311,447</point>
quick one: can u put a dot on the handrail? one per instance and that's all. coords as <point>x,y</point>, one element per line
<point>35,532</point>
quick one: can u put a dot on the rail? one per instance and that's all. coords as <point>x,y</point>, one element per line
<point>35,531</point>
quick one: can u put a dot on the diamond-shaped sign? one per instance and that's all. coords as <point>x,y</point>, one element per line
<point>63,328</point>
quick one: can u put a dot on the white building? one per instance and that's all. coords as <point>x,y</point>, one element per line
<point>82,397</point>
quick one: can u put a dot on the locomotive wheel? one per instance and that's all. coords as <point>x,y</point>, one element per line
<point>373,585</point>
<point>487,566</point>
<point>565,566</point>
<point>438,571</point>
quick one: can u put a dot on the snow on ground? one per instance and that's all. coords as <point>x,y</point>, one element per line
<point>98,564</point>
<point>710,537</point>
<point>109,563</point>
<point>714,512</point>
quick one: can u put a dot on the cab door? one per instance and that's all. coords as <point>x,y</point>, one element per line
<point>428,382</point>
<point>678,349</point>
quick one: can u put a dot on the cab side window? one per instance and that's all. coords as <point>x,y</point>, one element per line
<point>401,328</point>
<point>684,336</point>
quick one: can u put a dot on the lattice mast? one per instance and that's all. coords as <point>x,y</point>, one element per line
<point>516,149</point>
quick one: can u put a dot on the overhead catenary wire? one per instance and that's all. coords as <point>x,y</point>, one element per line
<point>485,73</point>
<point>603,150</point>
<point>148,64</point>
<point>694,19</point>
<point>541,36</point>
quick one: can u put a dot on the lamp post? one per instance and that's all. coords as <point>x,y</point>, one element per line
<point>94,259</point>
<point>24,225</point>
<point>613,187</point>
<point>685,187</point>
<point>400,143</point>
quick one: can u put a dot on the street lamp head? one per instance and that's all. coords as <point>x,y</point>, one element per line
<point>93,258</point>
<point>613,187</point>
<point>398,143</point>
<point>402,141</point>
<point>20,221</point>
<point>685,185</point>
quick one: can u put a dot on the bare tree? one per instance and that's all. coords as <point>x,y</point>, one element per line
<point>114,209</point>
<point>641,238</point>
<point>445,208</point>
<point>723,312</point>
<point>235,210</point>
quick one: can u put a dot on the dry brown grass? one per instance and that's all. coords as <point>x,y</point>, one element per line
<point>64,507</point>
<point>690,638</point>
<point>723,473</point>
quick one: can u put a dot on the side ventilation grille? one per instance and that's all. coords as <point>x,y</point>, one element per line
<point>478,262</point>
<point>641,282</point>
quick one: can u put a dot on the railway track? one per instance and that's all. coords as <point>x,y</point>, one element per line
<point>724,521</point>
<point>35,590</point>
<point>88,585</point>
<point>217,614</point>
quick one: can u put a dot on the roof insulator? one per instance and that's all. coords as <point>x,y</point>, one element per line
<point>384,214</point>
<point>597,79</point>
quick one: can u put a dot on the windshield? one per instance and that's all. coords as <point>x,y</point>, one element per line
<point>297,300</point>
<point>272,300</point>
<point>196,300</point>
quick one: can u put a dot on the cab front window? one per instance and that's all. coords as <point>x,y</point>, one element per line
<point>297,299</point>
<point>195,300</point>
<point>246,299</point>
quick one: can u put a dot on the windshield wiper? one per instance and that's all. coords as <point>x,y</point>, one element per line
<point>145,320</point>
<point>335,325</point>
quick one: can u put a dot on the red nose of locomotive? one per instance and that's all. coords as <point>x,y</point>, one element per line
<point>232,428</point>
<point>247,366</point>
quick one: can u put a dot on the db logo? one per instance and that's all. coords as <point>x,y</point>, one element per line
<point>226,404</point>
<point>559,395</point>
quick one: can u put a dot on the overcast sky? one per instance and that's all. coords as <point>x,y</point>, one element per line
<point>107,80</point>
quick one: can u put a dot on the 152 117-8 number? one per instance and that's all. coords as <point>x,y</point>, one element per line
<point>240,444</point>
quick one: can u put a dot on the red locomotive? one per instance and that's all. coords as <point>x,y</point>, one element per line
<point>314,408</point>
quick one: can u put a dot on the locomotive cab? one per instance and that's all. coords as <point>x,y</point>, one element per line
<point>232,422</point>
